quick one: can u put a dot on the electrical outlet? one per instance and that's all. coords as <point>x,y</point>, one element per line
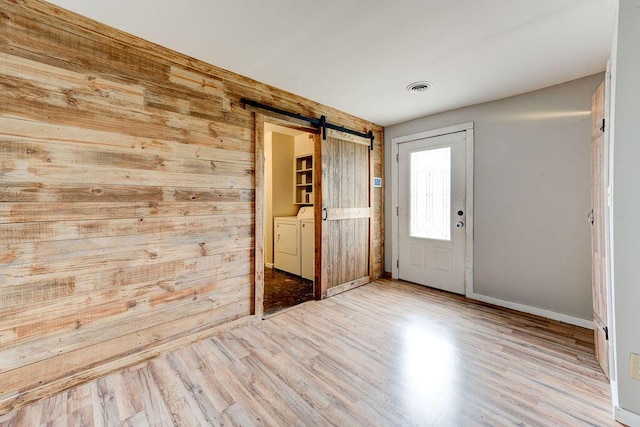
<point>634,366</point>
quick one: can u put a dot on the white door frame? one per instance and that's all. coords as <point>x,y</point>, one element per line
<point>395,229</point>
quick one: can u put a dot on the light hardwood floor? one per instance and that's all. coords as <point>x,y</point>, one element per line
<point>387,354</point>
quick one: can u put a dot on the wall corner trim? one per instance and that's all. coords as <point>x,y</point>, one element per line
<point>548,314</point>
<point>626,417</point>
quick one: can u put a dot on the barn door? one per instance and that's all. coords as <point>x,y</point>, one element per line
<point>597,220</point>
<point>343,212</point>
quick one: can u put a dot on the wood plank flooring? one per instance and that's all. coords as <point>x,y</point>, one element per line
<point>385,354</point>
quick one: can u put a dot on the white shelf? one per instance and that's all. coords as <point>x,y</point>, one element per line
<point>303,180</point>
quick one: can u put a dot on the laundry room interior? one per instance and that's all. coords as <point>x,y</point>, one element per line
<point>289,239</point>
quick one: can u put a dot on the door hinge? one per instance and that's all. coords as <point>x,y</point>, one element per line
<point>603,125</point>
<point>397,157</point>
<point>398,263</point>
<point>606,332</point>
<point>397,210</point>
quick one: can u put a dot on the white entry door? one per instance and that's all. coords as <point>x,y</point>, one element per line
<point>432,212</point>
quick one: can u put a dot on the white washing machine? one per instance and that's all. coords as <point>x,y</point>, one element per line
<point>288,244</point>
<point>307,243</point>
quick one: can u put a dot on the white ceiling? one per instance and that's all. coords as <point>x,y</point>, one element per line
<point>359,55</point>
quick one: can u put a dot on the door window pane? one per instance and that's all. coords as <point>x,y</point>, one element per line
<point>430,194</point>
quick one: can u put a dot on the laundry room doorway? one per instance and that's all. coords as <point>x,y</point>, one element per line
<point>287,217</point>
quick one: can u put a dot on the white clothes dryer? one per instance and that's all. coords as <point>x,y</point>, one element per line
<point>286,244</point>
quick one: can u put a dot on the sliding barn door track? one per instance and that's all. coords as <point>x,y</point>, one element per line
<point>319,123</point>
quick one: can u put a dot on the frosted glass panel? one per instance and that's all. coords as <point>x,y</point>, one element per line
<point>430,194</point>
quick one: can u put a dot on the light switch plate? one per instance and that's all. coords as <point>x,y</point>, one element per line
<point>634,366</point>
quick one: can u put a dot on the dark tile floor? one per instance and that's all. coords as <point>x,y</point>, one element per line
<point>284,290</point>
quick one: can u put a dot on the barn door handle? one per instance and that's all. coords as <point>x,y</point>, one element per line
<point>325,214</point>
<point>590,217</point>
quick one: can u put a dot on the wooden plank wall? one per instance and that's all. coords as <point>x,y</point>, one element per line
<point>126,198</point>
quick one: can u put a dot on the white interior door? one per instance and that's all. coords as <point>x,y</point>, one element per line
<point>432,212</point>
<point>599,225</point>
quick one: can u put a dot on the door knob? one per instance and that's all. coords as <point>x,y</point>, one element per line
<point>459,224</point>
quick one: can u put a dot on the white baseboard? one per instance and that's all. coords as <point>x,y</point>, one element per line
<point>626,417</point>
<point>268,265</point>
<point>533,310</point>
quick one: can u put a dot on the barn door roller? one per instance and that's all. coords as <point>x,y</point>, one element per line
<point>320,123</point>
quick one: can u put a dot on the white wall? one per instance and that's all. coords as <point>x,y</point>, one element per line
<point>303,144</point>
<point>625,116</point>
<point>531,196</point>
<point>268,209</point>
<point>278,185</point>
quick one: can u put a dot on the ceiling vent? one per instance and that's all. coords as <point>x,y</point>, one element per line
<point>419,87</point>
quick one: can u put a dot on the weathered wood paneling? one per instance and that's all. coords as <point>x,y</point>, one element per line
<point>127,188</point>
